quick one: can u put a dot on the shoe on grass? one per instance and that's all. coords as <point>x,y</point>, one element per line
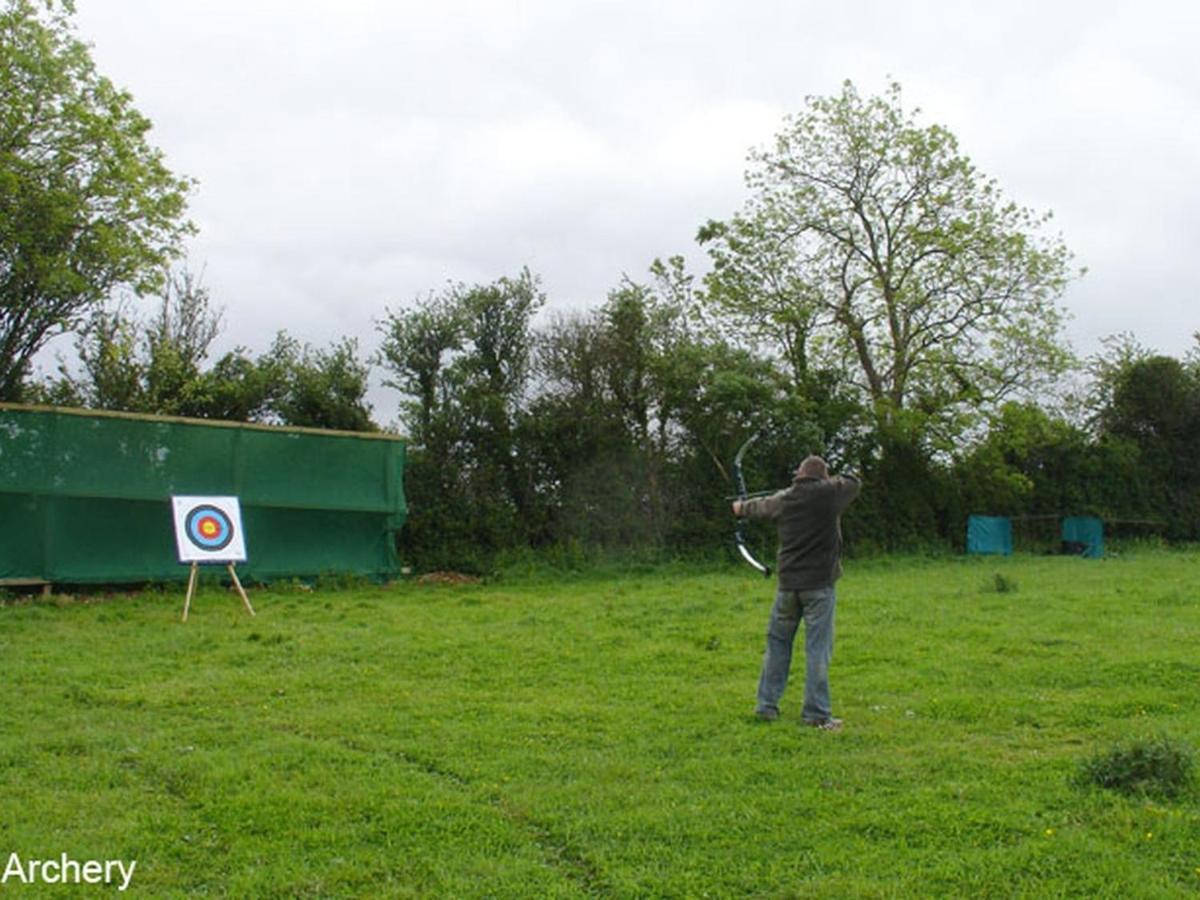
<point>830,724</point>
<point>766,715</point>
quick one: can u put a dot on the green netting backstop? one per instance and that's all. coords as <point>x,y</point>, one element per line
<point>85,496</point>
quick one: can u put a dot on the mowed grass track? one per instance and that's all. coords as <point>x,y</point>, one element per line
<point>595,736</point>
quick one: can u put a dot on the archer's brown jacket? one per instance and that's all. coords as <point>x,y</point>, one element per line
<point>808,515</point>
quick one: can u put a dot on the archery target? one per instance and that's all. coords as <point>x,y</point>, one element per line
<point>209,529</point>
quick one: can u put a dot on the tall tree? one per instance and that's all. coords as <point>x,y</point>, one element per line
<point>86,203</point>
<point>1155,407</point>
<point>871,242</point>
<point>464,354</point>
<point>462,362</point>
<point>130,364</point>
<point>640,410</point>
<point>418,344</point>
<point>317,388</point>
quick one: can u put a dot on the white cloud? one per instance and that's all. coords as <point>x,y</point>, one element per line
<point>358,154</point>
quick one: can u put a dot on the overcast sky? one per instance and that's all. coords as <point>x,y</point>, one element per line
<point>353,155</point>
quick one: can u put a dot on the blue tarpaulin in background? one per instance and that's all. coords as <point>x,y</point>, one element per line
<point>989,534</point>
<point>1084,536</point>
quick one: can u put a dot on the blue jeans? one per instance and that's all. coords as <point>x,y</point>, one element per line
<point>816,607</point>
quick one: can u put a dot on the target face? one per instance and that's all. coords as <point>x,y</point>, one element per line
<point>209,529</point>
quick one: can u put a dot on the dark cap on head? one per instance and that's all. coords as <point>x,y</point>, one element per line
<point>813,467</point>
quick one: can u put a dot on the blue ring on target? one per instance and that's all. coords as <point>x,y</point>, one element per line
<point>208,527</point>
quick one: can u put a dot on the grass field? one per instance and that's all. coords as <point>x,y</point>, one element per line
<point>595,736</point>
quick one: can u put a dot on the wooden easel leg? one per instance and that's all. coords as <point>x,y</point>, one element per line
<point>190,590</point>
<point>237,584</point>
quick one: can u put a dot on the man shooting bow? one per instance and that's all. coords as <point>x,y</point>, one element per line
<point>808,516</point>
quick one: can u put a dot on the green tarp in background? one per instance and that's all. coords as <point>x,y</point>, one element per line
<point>989,534</point>
<point>85,497</point>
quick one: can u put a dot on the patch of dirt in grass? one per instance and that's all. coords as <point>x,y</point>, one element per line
<point>447,578</point>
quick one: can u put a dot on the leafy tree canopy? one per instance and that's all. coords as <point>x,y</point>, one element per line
<point>86,203</point>
<point>871,244</point>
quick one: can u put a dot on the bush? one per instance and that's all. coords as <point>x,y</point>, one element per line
<point>1146,766</point>
<point>1001,584</point>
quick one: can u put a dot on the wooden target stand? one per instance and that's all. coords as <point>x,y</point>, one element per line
<point>191,588</point>
<point>208,530</point>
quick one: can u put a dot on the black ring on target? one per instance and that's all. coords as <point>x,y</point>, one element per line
<point>208,527</point>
